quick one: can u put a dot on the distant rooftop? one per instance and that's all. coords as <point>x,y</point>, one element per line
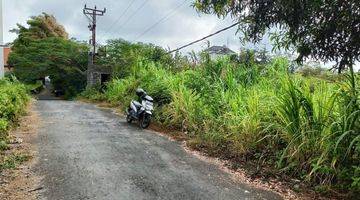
<point>220,50</point>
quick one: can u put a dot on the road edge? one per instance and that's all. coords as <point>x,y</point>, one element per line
<point>22,181</point>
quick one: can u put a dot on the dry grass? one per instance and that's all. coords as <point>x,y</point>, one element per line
<point>21,183</point>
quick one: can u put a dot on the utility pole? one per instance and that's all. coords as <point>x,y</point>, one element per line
<point>1,42</point>
<point>91,14</point>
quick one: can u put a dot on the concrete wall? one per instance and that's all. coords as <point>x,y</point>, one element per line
<point>93,78</point>
<point>94,74</point>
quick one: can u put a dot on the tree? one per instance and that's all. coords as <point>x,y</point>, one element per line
<point>327,30</point>
<point>123,55</point>
<point>43,49</point>
<point>40,27</point>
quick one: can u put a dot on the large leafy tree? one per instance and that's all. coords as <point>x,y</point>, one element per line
<point>39,27</point>
<point>43,49</point>
<point>328,30</point>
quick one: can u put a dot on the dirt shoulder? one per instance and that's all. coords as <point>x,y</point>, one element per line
<point>21,182</point>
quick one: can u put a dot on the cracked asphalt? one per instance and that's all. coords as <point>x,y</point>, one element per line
<point>86,152</point>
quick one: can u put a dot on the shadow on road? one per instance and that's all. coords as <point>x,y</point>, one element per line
<point>46,94</point>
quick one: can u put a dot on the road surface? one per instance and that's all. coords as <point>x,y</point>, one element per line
<point>90,153</point>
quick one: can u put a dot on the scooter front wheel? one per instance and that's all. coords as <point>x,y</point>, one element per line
<point>129,118</point>
<point>145,122</point>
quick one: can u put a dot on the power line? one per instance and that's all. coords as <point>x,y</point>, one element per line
<point>166,17</point>
<point>133,14</point>
<point>199,40</point>
<point>120,17</point>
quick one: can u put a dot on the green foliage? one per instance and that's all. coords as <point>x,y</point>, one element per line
<point>39,27</point>
<point>3,145</point>
<point>13,100</point>
<point>310,26</point>
<point>43,50</point>
<point>36,87</point>
<point>186,110</point>
<point>156,82</point>
<point>124,56</point>
<point>304,126</point>
<point>93,94</point>
<point>4,125</point>
<point>356,178</point>
<point>63,60</point>
<point>118,87</point>
<point>13,160</point>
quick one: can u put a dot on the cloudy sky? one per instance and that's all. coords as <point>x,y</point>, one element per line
<point>182,25</point>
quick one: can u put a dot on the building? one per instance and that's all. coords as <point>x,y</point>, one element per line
<point>219,51</point>
<point>7,51</point>
<point>97,75</point>
<point>1,41</point>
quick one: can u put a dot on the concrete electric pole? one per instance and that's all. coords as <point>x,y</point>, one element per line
<point>91,14</point>
<point>1,41</point>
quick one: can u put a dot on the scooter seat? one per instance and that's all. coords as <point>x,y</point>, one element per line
<point>137,104</point>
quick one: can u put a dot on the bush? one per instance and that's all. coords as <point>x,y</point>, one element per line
<point>122,91</point>
<point>93,93</point>
<point>13,100</point>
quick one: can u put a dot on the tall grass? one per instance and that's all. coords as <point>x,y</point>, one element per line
<point>306,127</point>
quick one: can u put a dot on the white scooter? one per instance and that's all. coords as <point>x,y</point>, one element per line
<point>141,111</point>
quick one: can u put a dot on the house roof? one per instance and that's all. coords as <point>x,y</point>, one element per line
<point>222,50</point>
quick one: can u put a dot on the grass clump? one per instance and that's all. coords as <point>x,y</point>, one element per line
<point>13,160</point>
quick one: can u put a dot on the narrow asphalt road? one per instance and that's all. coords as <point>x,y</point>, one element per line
<point>90,153</point>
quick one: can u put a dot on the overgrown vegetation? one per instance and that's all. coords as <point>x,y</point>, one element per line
<point>122,55</point>
<point>305,125</point>
<point>300,125</point>
<point>43,49</point>
<point>13,101</point>
<point>325,30</point>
